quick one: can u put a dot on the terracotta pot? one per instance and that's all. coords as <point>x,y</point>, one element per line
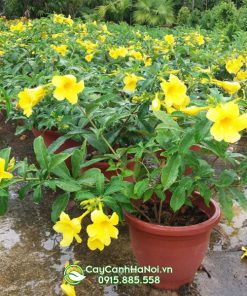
<point>180,247</point>
<point>103,166</point>
<point>50,136</point>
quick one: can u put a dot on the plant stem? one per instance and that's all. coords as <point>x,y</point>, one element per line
<point>102,136</point>
<point>142,213</point>
<point>160,210</point>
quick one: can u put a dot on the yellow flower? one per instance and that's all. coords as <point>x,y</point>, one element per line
<point>193,110</point>
<point>68,290</point>
<point>67,87</point>
<point>30,97</point>
<point>147,61</point>
<point>89,57</point>
<point>118,52</point>
<point>130,82</point>
<point>3,173</point>
<point>156,103</point>
<point>242,75</point>
<point>228,86</point>
<point>2,53</point>
<point>175,92</point>
<point>227,122</point>
<point>169,39</point>
<point>102,38</point>
<point>234,65</point>
<point>136,54</point>
<point>199,39</point>
<point>245,253</point>
<point>102,230</point>
<point>69,229</point>
<point>11,164</point>
<point>18,27</point>
<point>62,49</point>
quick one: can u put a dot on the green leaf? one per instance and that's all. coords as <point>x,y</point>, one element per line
<point>5,154</point>
<point>37,194</point>
<point>57,144</point>
<point>77,159</point>
<point>84,195</point>
<point>57,159</point>
<point>186,142</point>
<point>89,177</point>
<point>100,183</point>
<point>239,196</point>
<point>68,185</point>
<point>226,204</point>
<point>205,192</point>
<point>170,171</point>
<point>147,194</point>
<point>161,195</point>
<point>226,178</point>
<point>61,171</point>
<point>59,206</point>
<point>41,152</point>
<point>177,199</point>
<point>141,187</point>
<point>24,190</point>
<point>169,122</point>
<point>4,197</point>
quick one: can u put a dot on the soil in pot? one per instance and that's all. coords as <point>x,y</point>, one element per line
<point>184,217</point>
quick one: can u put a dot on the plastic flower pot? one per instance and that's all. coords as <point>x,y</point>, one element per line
<point>180,247</point>
<point>50,136</point>
<point>103,166</point>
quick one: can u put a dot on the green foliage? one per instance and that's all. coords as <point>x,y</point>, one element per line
<point>225,13</point>
<point>183,17</point>
<point>154,12</point>
<point>32,8</point>
<point>242,18</point>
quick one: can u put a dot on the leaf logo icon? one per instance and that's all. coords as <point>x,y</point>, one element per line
<point>73,274</point>
<point>76,276</point>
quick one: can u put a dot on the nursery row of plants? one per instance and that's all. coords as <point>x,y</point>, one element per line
<point>125,119</point>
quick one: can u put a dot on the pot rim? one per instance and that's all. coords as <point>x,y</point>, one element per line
<point>162,230</point>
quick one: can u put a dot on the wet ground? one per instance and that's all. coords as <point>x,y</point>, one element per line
<point>32,261</point>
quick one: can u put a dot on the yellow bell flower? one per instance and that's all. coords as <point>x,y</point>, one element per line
<point>242,75</point>
<point>102,230</point>
<point>136,54</point>
<point>68,290</point>
<point>102,38</point>
<point>199,39</point>
<point>147,61</point>
<point>169,39</point>
<point>3,173</point>
<point>30,97</point>
<point>234,65</point>
<point>228,86</point>
<point>130,82</point>
<point>69,229</point>
<point>245,253</point>
<point>175,92</point>
<point>61,49</point>
<point>118,52</point>
<point>67,87</point>
<point>156,103</point>
<point>227,122</point>
<point>89,57</point>
<point>18,27</point>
